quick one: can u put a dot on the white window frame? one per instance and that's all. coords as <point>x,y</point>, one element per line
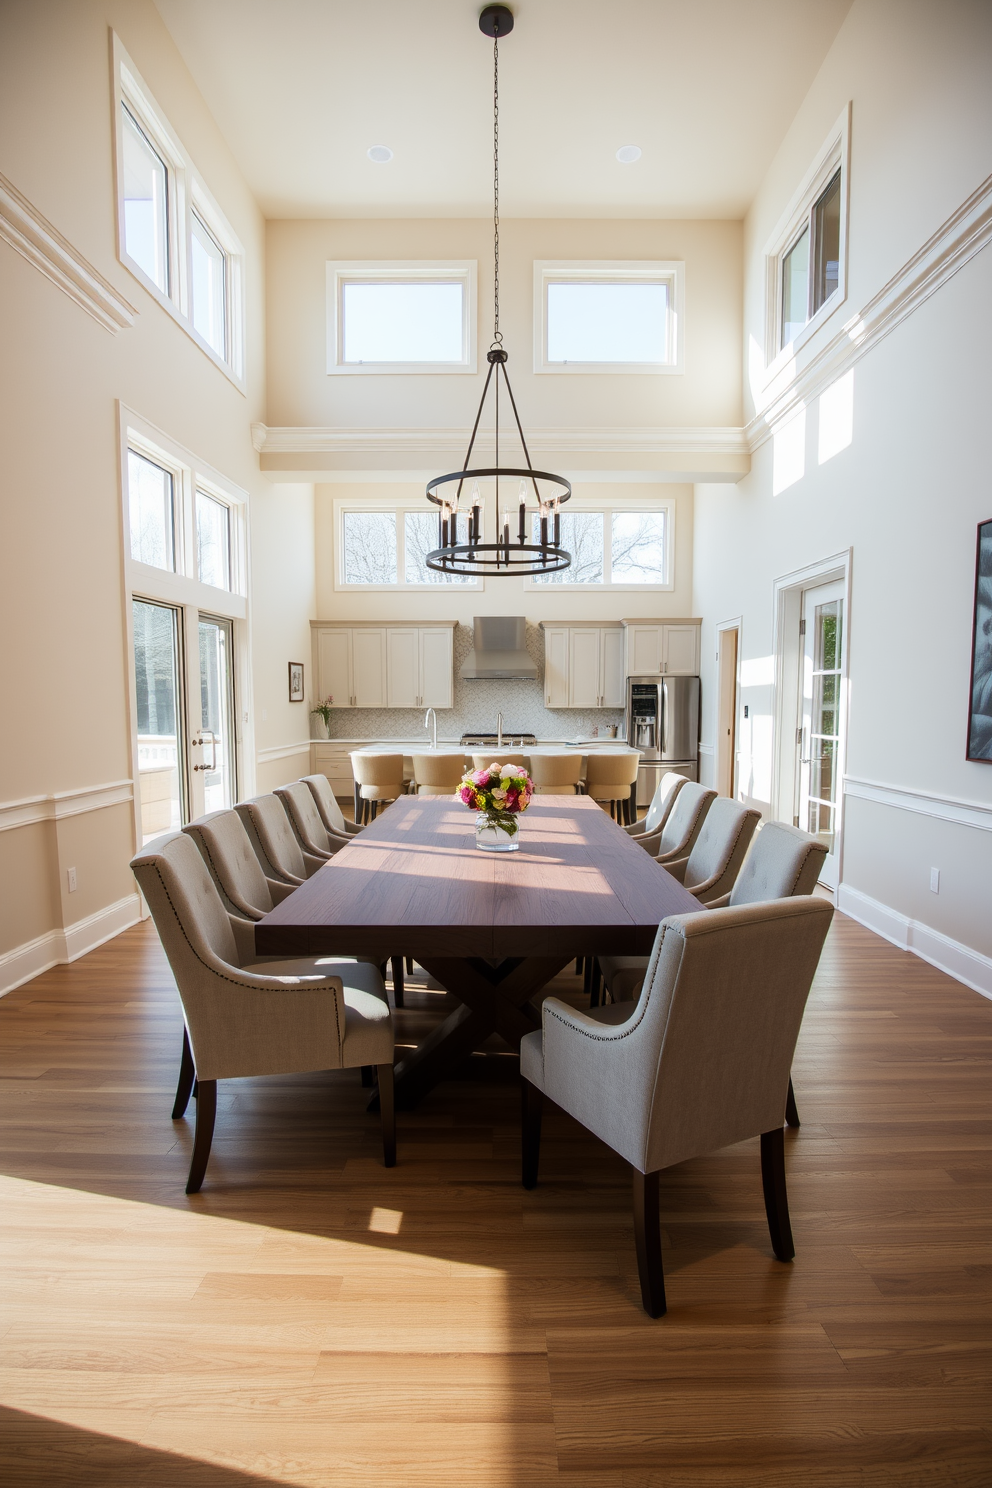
<point>611,271</point>
<point>400,271</point>
<point>399,508</point>
<point>187,192</point>
<point>182,589</point>
<point>664,504</point>
<point>833,154</point>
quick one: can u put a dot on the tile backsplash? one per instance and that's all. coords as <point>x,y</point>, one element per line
<point>476,705</point>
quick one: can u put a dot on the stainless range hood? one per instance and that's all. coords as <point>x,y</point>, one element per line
<point>500,649</point>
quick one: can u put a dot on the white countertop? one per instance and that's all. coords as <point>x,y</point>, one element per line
<point>452,746</point>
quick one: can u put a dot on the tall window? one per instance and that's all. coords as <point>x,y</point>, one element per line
<point>171,234</point>
<point>393,317</point>
<point>151,511</point>
<point>811,266</point>
<point>607,317</point>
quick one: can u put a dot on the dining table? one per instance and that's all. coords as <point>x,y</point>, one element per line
<point>491,928</point>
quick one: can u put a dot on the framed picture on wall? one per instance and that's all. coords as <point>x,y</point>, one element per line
<point>980,714</point>
<point>296,682</point>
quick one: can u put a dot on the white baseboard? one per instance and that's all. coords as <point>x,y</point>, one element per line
<point>959,961</point>
<point>57,947</point>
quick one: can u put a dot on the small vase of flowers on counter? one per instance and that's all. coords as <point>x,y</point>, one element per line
<point>322,710</point>
<point>498,794</point>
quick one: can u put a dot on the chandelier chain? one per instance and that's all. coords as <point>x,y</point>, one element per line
<point>497,333</point>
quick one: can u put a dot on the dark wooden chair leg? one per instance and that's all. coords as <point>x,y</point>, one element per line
<point>647,1241</point>
<point>196,1089</point>
<point>596,988</point>
<point>776,1195</point>
<point>409,966</point>
<point>531,1106</point>
<point>187,1074</point>
<point>580,965</point>
<point>398,989</point>
<point>791,1109</point>
<point>358,804</point>
<point>387,1112</point>
<point>368,1076</point>
<point>206,1112</point>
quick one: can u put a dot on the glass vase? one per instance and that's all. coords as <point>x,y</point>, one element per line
<point>490,836</point>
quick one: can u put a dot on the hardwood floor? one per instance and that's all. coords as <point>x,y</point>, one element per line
<point>312,1318</point>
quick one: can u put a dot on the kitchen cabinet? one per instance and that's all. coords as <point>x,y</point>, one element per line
<point>661,648</point>
<point>385,666</point>
<point>583,666</point>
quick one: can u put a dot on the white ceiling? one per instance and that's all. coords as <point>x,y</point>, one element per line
<point>302,88</point>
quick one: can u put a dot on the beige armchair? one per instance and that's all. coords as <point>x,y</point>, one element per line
<point>437,774</point>
<point>330,812</point>
<point>783,862</point>
<point>274,841</point>
<point>556,774</point>
<point>701,1062</point>
<point>378,777</point>
<point>306,822</point>
<point>609,779</point>
<point>678,836</point>
<point>234,867</point>
<point>710,870</point>
<point>660,809</point>
<point>246,1018</point>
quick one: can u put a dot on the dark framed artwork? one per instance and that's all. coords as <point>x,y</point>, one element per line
<point>980,713</point>
<point>296,682</point>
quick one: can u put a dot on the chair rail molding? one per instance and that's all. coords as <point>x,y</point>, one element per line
<point>34,237</point>
<point>925,803</point>
<point>957,960</point>
<point>282,751</point>
<point>954,243</point>
<point>31,809</point>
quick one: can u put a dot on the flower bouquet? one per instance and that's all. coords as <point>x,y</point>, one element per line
<point>499,794</point>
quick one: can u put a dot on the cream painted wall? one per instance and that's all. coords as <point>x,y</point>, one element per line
<point>907,492</point>
<point>500,596</point>
<point>301,392</point>
<point>282,552</point>
<point>63,665</point>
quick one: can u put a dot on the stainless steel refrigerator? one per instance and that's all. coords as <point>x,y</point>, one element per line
<point>663,723</point>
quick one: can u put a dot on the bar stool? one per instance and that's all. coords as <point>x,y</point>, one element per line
<point>437,774</point>
<point>609,778</point>
<point>556,774</point>
<point>378,777</point>
<point>500,757</point>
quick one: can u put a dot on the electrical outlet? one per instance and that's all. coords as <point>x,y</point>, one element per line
<point>745,710</point>
<point>935,880</point>
<point>265,714</point>
<point>70,874</point>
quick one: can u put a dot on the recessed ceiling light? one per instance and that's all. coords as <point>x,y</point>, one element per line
<point>381,153</point>
<point>626,154</point>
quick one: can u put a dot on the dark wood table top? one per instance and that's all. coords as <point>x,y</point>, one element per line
<point>413,883</point>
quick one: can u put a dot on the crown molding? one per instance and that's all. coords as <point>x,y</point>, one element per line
<point>957,240</point>
<point>568,439</point>
<point>31,809</point>
<point>34,237</point>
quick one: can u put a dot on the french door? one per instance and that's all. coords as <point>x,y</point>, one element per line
<point>819,737</point>
<point>184,693</point>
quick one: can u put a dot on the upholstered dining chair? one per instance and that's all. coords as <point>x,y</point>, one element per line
<point>556,774</point>
<point>437,774</point>
<point>270,834</point>
<point>659,809</point>
<point>245,1018</point>
<point>609,779</point>
<point>378,777</point>
<point>234,866</point>
<point>305,820</point>
<point>700,1062</point>
<point>710,870</point>
<point>330,812</point>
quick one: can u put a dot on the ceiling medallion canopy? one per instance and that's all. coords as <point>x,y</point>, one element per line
<point>461,549</point>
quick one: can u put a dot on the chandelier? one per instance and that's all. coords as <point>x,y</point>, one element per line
<point>461,549</point>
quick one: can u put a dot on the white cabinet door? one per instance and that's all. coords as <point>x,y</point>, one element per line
<point>334,677</point>
<point>556,668</point>
<point>644,650</point>
<point>681,651</point>
<point>369,668</point>
<point>402,669</point>
<point>436,669</point>
<point>611,657</point>
<point>584,673</point>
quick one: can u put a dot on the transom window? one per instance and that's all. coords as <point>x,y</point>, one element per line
<point>811,267</point>
<point>385,548</point>
<point>607,317</point>
<point>146,202</point>
<point>392,317</point>
<point>614,548</point>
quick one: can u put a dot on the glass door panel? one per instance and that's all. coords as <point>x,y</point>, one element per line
<point>161,764</point>
<point>820,738</point>
<point>214,784</point>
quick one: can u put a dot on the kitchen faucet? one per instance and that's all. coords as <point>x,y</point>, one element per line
<point>431,717</point>
<point>499,730</point>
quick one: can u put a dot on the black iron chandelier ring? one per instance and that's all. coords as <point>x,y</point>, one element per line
<point>511,549</point>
